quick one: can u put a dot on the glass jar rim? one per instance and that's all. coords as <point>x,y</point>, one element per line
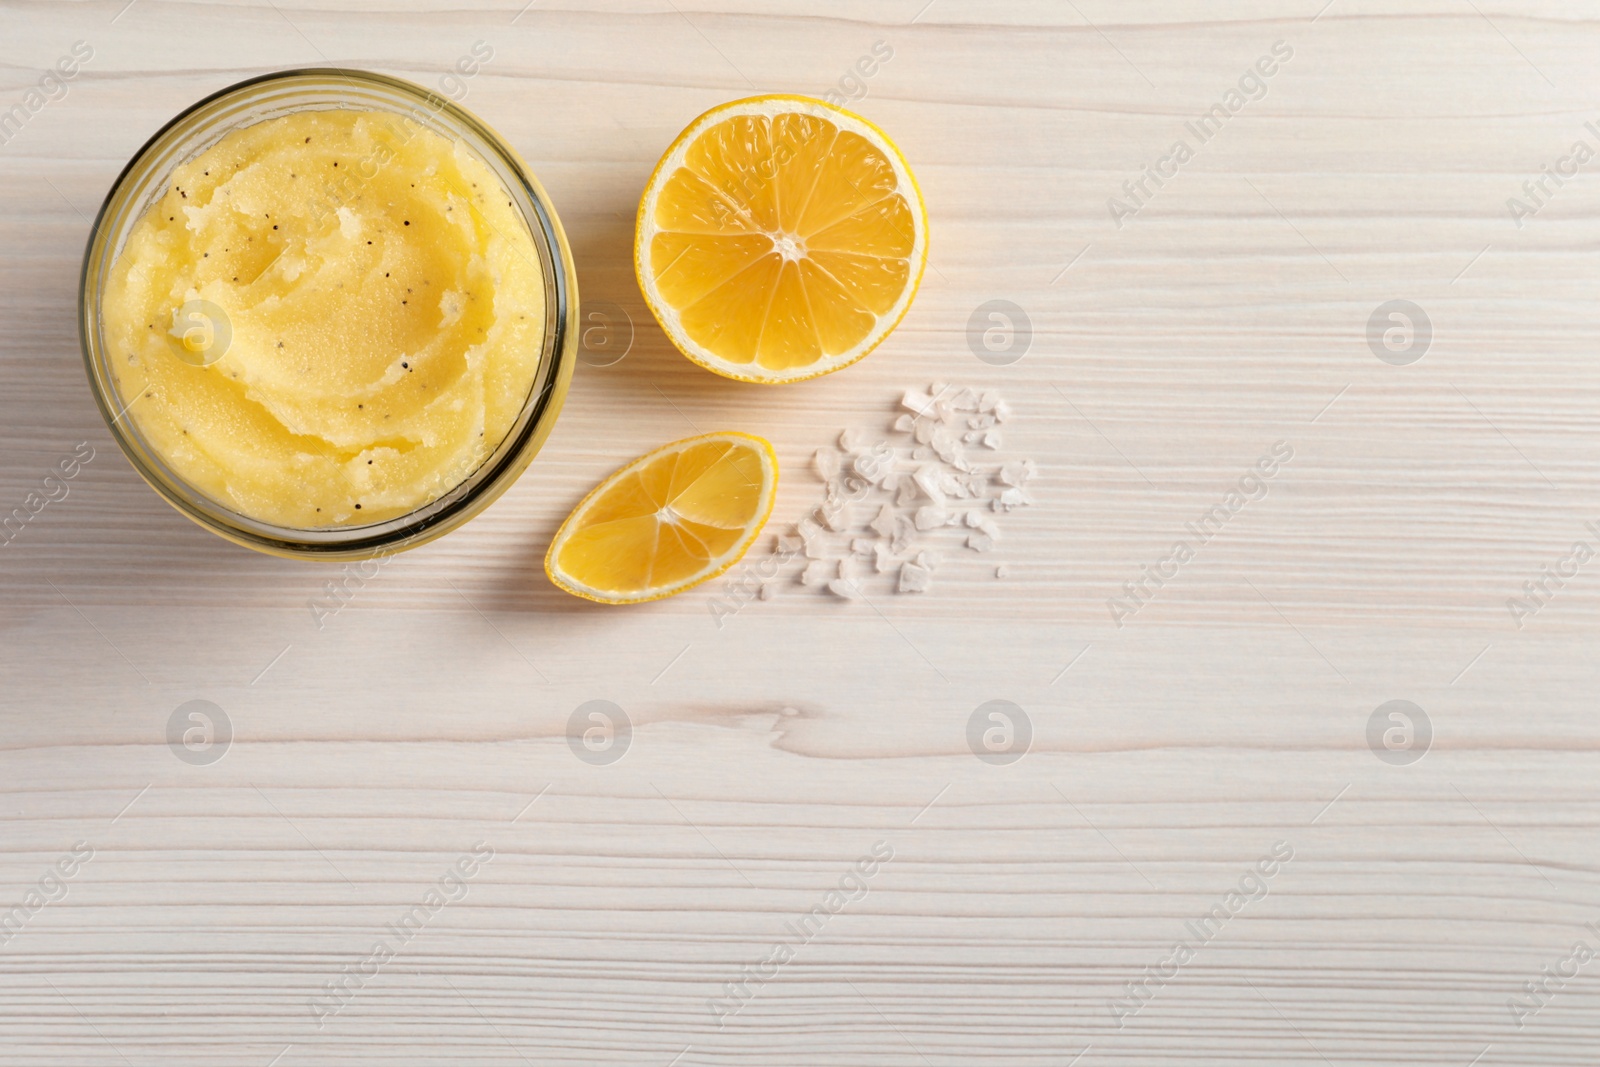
<point>198,127</point>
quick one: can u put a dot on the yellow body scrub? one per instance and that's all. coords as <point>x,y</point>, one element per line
<point>328,318</point>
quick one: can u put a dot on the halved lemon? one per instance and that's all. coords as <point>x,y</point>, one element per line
<point>780,238</point>
<point>668,521</point>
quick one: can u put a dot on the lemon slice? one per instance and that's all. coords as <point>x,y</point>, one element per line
<point>780,238</point>
<point>668,521</point>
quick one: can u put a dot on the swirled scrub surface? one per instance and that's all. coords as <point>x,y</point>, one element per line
<point>329,318</point>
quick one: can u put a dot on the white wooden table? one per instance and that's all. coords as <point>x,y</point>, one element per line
<point>1168,755</point>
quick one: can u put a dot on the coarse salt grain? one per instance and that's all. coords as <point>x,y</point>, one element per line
<point>819,572</point>
<point>1017,472</point>
<point>915,578</point>
<point>917,402</point>
<point>929,478</point>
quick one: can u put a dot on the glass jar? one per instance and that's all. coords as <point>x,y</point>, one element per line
<point>201,126</point>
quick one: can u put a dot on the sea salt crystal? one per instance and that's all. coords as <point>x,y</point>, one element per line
<point>873,466</point>
<point>819,572</point>
<point>1017,472</point>
<point>930,479</point>
<point>1000,572</point>
<point>926,484</point>
<point>846,488</point>
<point>844,588</point>
<point>1012,498</point>
<point>915,578</point>
<point>981,522</point>
<point>769,590</point>
<point>904,531</point>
